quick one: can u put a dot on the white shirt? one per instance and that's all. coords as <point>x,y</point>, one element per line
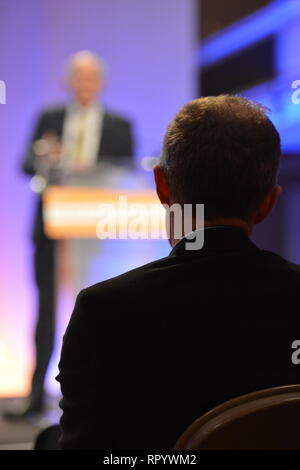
<point>87,122</point>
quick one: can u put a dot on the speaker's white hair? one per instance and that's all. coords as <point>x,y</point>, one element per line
<point>85,56</point>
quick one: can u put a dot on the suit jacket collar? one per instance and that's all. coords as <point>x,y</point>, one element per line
<point>218,239</point>
<point>76,106</point>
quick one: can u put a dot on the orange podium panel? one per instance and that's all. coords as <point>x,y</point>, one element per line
<point>91,212</point>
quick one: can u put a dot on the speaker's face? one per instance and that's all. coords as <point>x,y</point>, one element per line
<point>86,82</point>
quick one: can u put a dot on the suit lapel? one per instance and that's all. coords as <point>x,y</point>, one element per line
<point>57,122</point>
<point>104,146</point>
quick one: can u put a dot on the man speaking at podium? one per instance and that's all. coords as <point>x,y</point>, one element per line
<point>77,135</point>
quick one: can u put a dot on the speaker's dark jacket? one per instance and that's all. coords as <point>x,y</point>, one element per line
<point>149,351</point>
<point>116,141</point>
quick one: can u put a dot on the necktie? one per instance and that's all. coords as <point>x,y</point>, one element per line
<point>79,140</point>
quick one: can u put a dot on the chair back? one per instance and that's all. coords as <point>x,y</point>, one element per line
<point>266,419</point>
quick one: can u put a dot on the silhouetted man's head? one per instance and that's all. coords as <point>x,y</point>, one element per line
<point>222,152</point>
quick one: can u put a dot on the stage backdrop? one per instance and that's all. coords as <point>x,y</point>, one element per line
<point>149,47</point>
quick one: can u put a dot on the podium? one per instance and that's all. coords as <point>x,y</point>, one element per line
<point>93,216</point>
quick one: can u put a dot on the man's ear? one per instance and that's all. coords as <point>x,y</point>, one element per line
<point>162,187</point>
<point>268,204</point>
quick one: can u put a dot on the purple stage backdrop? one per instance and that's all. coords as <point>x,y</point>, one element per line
<point>149,48</point>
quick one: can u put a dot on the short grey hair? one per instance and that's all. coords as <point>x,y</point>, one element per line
<point>88,56</point>
<point>221,151</point>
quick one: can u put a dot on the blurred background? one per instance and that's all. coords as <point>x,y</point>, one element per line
<point>160,54</point>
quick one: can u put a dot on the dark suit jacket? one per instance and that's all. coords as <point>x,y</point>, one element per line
<point>116,141</point>
<point>149,351</point>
